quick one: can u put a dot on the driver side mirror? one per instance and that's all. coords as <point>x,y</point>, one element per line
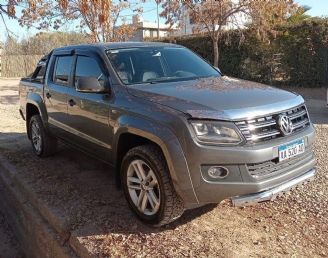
<point>91,85</point>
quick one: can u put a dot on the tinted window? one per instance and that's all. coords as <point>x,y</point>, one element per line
<point>88,67</point>
<point>63,69</point>
<point>39,74</point>
<point>159,64</point>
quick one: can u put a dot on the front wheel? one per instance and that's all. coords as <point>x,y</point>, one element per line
<point>148,187</point>
<point>43,143</point>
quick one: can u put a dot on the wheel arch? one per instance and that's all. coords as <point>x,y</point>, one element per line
<point>134,137</point>
<point>35,106</point>
<point>133,131</point>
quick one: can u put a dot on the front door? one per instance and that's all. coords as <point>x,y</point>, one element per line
<point>88,113</point>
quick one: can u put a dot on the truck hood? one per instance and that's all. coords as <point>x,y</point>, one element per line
<point>223,98</point>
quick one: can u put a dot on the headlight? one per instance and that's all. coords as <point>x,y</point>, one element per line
<point>213,132</point>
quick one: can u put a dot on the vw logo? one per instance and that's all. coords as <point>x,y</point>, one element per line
<point>285,125</point>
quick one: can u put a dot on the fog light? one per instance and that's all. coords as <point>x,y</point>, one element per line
<point>218,172</point>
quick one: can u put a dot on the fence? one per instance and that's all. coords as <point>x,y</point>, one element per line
<point>17,65</point>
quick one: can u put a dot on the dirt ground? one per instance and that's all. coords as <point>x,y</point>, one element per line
<point>82,192</point>
<point>9,246</point>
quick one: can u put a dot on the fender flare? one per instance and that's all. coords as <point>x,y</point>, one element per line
<point>168,143</point>
<point>36,100</point>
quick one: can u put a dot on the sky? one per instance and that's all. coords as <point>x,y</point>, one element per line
<point>318,8</point>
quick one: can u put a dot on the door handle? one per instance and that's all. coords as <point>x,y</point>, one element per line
<point>48,95</point>
<point>71,102</point>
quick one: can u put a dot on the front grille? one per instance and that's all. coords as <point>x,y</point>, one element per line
<point>267,128</point>
<point>274,167</point>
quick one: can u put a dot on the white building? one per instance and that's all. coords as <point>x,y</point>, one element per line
<point>148,30</point>
<point>188,26</point>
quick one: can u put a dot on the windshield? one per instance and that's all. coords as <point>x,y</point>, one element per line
<point>158,64</point>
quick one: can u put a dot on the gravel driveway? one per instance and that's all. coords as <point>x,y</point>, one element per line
<point>8,243</point>
<point>82,192</point>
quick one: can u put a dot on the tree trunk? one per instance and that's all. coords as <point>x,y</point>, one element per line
<point>216,53</point>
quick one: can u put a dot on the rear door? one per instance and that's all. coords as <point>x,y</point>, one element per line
<point>88,113</point>
<point>59,79</point>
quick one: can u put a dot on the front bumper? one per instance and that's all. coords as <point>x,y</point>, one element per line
<point>272,193</point>
<point>240,182</point>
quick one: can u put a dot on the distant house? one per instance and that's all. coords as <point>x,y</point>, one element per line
<point>188,25</point>
<point>148,30</point>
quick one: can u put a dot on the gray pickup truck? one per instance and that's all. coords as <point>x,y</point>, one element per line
<point>177,132</point>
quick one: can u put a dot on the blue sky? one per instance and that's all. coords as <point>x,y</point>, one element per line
<point>318,8</point>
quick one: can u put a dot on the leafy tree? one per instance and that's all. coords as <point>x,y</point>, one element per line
<point>300,15</point>
<point>98,18</point>
<point>214,17</point>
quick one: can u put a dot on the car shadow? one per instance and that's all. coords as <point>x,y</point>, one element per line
<point>81,192</point>
<point>9,99</point>
<point>9,94</point>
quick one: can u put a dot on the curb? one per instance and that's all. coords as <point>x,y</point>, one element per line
<point>38,229</point>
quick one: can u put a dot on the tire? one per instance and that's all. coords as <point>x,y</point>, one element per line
<point>166,206</point>
<point>43,143</point>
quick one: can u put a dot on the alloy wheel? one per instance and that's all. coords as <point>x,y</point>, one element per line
<point>143,187</point>
<point>36,137</point>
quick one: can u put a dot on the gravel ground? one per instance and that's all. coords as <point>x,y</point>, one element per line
<point>9,247</point>
<point>82,191</point>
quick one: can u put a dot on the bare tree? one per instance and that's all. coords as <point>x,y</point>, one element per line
<point>214,17</point>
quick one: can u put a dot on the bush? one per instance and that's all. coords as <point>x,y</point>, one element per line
<point>298,56</point>
<point>43,42</point>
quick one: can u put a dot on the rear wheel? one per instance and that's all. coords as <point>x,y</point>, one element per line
<point>43,143</point>
<point>148,187</point>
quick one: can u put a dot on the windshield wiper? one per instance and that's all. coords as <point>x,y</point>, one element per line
<point>170,79</point>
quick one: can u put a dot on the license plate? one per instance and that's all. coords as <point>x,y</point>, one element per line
<point>291,150</point>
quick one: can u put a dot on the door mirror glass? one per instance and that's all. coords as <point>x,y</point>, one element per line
<point>90,84</point>
<point>89,76</point>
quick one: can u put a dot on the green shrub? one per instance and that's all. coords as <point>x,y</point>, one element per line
<point>297,56</point>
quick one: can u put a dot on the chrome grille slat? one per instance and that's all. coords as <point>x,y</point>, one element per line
<point>298,114</point>
<point>267,128</point>
<point>257,125</point>
<point>264,135</point>
<point>300,124</point>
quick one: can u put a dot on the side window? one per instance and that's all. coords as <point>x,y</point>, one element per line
<point>39,74</point>
<point>62,70</point>
<point>88,67</point>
